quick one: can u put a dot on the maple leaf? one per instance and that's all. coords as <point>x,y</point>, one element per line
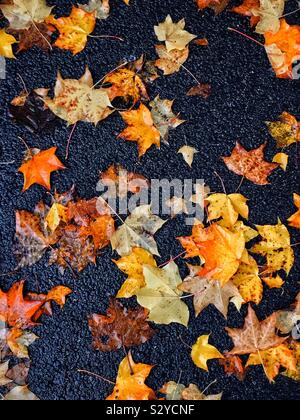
<point>38,35</point>
<point>120,182</point>
<point>294,220</point>
<point>174,34</point>
<point>163,117</point>
<point>248,282</point>
<point>188,153</point>
<point>288,320</point>
<point>101,230</point>
<point>269,13</point>
<point>291,373</point>
<point>207,292</point>
<point>31,111</point>
<point>202,89</point>
<point>6,42</point>
<point>286,131</point>
<point>250,164</point>
<point>122,327</point>
<point>77,100</point>
<point>132,265</point>
<point>273,359</point>
<point>74,29</point>
<point>216,5</point>
<point>127,83</point>
<point>170,62</point>
<point>39,166</point>
<point>233,365</point>
<point>247,7</point>
<point>202,352</point>
<point>221,249</point>
<point>255,336</point>
<point>137,232</point>
<point>130,384</point>
<point>228,208</point>
<point>101,7</point>
<point>22,13</point>
<point>161,295</point>
<point>283,48</point>
<point>140,129</point>
<point>193,393</point>
<point>276,247</point>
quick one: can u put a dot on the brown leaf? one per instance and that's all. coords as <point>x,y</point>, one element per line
<point>233,365</point>
<point>203,89</point>
<point>39,35</point>
<point>121,327</point>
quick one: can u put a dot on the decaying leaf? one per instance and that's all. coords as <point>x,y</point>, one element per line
<point>170,62</point>
<point>251,165</point>
<point>22,13</point>
<point>141,129</point>
<point>130,384</point>
<point>193,393</point>
<point>188,153</point>
<point>6,43</point>
<point>132,265</point>
<point>38,167</point>
<point>208,292</point>
<point>121,327</point>
<point>77,100</point>
<point>286,131</point>
<point>233,365</point>
<point>294,220</point>
<point>74,29</point>
<point>202,352</point>
<point>202,89</point>
<point>161,295</point>
<point>291,373</point>
<point>137,232</point>
<point>174,34</point>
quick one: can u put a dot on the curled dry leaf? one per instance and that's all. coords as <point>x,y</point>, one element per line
<point>38,167</point>
<point>121,327</point>
<point>282,159</point>
<point>131,381</point>
<point>74,29</point>
<point>188,153</point>
<point>251,165</point>
<point>202,352</point>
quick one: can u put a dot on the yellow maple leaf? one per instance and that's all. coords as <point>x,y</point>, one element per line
<point>130,384</point>
<point>140,129</point>
<point>276,247</point>
<point>273,359</point>
<point>127,84</point>
<point>294,220</point>
<point>228,208</point>
<point>73,29</point>
<point>132,265</point>
<point>286,131</point>
<point>174,34</point>
<point>248,282</point>
<point>6,42</point>
<point>202,352</point>
<point>273,282</point>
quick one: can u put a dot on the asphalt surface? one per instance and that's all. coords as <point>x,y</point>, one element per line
<point>245,94</point>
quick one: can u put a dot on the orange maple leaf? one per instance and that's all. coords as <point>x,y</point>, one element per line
<point>221,249</point>
<point>216,5</point>
<point>140,129</point>
<point>251,165</point>
<point>131,382</point>
<point>283,49</point>
<point>74,29</point>
<point>294,220</point>
<point>101,230</point>
<point>246,9</point>
<point>38,168</point>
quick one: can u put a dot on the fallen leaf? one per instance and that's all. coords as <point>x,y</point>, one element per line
<point>137,232</point>
<point>38,167</point>
<point>20,393</point>
<point>74,29</point>
<point>188,153</point>
<point>282,159</point>
<point>276,247</point>
<point>77,100</point>
<point>174,34</point>
<point>247,8</point>
<point>287,320</point>
<point>202,352</point>
<point>248,282</point>
<point>6,43</point>
<point>161,295</point>
<point>233,365</point>
<point>286,131</point>
<point>255,336</point>
<point>208,292</point>
<point>57,215</point>
<point>218,6</point>
<point>121,327</point>
<point>21,13</point>
<point>294,220</point>
<point>38,35</point>
<point>228,208</point>
<point>269,13</point>
<point>4,380</point>
<point>131,382</point>
<point>101,230</point>
<point>170,62</point>
<point>173,391</point>
<point>251,164</point>
<point>164,118</point>
<point>202,89</point>
<point>132,265</point>
<point>101,7</point>
<point>141,129</point>
<point>283,54</point>
<point>291,373</point>
<point>193,393</point>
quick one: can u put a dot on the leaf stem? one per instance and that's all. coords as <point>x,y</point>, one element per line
<point>247,36</point>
